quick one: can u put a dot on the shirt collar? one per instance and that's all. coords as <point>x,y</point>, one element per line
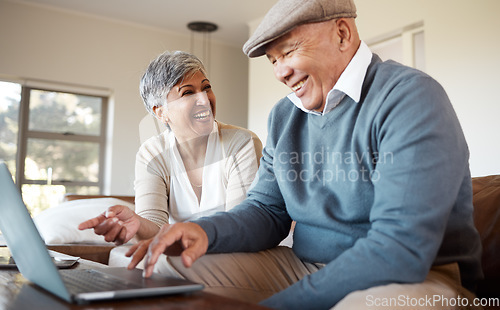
<point>350,82</point>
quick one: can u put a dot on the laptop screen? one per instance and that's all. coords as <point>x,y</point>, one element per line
<point>24,241</point>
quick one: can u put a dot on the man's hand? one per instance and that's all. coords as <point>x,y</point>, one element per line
<point>118,224</point>
<point>186,239</point>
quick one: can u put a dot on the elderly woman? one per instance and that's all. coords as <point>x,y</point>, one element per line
<point>196,167</point>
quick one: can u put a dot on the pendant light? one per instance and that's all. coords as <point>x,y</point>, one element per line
<point>205,28</point>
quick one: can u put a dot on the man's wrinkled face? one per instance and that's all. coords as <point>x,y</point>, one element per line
<point>307,60</point>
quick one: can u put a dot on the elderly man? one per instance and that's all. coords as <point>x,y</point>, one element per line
<point>367,157</point>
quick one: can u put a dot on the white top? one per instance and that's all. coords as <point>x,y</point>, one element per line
<point>163,192</point>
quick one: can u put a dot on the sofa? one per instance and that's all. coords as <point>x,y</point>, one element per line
<point>486,201</point>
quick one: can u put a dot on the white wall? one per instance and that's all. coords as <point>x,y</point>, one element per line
<point>263,92</point>
<point>462,53</point>
<point>41,43</point>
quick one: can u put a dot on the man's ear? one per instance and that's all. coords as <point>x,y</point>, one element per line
<point>344,33</point>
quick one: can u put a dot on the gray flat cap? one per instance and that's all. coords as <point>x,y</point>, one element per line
<point>287,14</point>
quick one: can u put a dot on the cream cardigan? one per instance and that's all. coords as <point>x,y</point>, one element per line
<point>163,193</point>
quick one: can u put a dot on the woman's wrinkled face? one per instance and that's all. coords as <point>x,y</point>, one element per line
<point>190,108</point>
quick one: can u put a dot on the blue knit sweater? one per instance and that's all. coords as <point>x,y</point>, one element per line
<point>380,191</point>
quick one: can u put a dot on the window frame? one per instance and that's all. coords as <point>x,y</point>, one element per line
<point>24,134</point>
<point>407,35</point>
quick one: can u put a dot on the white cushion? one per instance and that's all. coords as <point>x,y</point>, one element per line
<point>59,225</point>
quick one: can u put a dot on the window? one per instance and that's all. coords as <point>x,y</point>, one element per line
<point>405,46</point>
<point>53,141</point>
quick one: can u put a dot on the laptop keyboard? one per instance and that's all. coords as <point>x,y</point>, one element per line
<point>88,280</point>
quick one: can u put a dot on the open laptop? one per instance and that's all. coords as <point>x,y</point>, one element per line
<point>73,285</point>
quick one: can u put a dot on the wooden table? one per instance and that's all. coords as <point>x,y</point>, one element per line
<point>18,293</point>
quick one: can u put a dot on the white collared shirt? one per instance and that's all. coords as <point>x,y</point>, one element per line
<point>350,82</point>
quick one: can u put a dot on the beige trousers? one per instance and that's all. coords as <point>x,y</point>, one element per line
<point>253,277</point>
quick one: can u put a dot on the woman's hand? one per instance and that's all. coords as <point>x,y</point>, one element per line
<point>186,239</point>
<point>118,224</point>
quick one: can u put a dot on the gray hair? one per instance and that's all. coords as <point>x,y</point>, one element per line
<point>164,73</point>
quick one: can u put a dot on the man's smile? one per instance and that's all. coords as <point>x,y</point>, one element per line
<point>299,85</point>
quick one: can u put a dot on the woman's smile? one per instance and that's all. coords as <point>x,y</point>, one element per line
<point>203,115</point>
